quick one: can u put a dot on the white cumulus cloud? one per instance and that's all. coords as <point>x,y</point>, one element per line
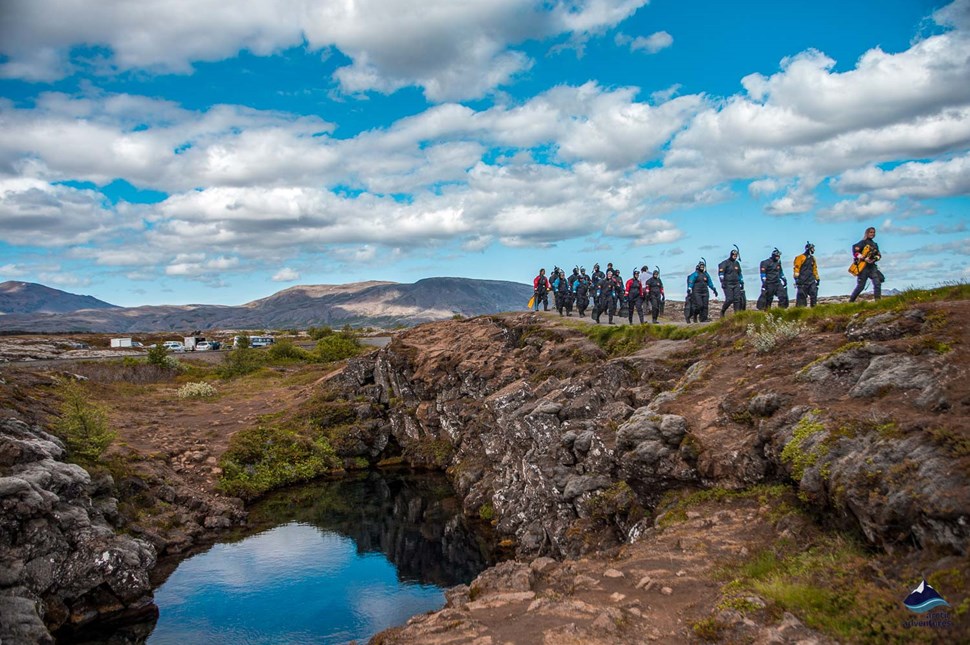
<point>286,274</point>
<point>650,44</point>
<point>450,49</point>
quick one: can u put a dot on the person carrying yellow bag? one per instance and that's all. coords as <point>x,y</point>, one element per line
<point>865,254</point>
<point>806,277</point>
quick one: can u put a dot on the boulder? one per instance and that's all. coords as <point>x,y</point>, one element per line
<point>59,552</point>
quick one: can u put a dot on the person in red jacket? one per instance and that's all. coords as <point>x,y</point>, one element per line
<point>540,288</point>
<point>634,296</point>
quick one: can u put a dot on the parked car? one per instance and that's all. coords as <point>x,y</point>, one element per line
<point>173,346</point>
<point>204,346</point>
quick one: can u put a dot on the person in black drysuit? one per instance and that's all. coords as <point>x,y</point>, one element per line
<point>564,297</point>
<point>773,282</point>
<point>654,288</point>
<point>540,289</point>
<point>608,293</point>
<point>598,276</point>
<point>866,250</point>
<point>732,282</point>
<point>581,290</point>
<point>806,277</point>
<point>621,308</point>
<point>573,278</point>
<point>634,295</point>
<point>698,296</point>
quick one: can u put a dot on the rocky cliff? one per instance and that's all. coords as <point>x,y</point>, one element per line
<point>572,447</point>
<point>536,422</point>
<point>62,565</point>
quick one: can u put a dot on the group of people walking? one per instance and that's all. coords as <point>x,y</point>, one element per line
<point>604,290</point>
<point>608,293</point>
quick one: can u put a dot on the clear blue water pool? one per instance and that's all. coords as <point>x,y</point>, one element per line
<point>325,563</point>
<point>292,584</point>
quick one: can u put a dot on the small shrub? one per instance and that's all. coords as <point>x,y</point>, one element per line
<point>772,332</point>
<point>173,364</point>
<point>286,350</point>
<point>337,347</point>
<point>240,361</point>
<point>199,390</point>
<point>157,355</point>
<point>316,333</point>
<point>263,458</point>
<point>83,425</point>
<point>709,629</point>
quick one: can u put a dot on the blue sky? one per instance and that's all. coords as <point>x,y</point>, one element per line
<point>154,155</point>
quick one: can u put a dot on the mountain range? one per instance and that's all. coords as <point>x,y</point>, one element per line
<point>34,308</point>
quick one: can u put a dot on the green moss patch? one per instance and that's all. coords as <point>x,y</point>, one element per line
<point>795,452</point>
<point>828,586</point>
<point>624,340</point>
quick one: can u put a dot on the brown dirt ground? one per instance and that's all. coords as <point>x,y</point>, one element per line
<point>749,373</point>
<point>192,434</point>
<point>655,589</point>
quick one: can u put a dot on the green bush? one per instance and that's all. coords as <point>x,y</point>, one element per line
<point>157,355</point>
<point>316,333</point>
<point>286,350</point>
<point>240,361</point>
<point>263,458</point>
<point>337,347</point>
<point>83,425</point>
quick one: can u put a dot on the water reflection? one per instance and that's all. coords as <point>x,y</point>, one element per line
<point>414,519</point>
<point>292,584</point>
<point>327,562</point>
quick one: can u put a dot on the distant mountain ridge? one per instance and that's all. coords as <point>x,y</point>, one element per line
<point>29,298</point>
<point>372,303</point>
